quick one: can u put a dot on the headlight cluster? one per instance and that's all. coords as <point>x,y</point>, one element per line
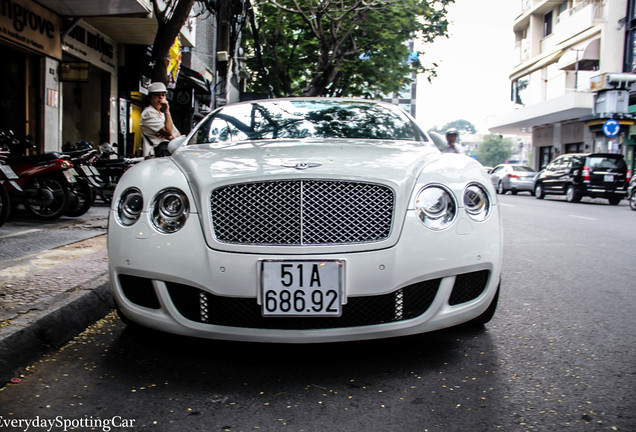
<point>437,208</point>
<point>130,206</point>
<point>169,209</point>
<point>476,202</point>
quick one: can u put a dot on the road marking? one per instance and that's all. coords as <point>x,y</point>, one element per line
<point>506,205</point>
<point>21,233</point>
<point>583,217</point>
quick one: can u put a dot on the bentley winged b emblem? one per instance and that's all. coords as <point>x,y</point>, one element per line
<point>301,165</point>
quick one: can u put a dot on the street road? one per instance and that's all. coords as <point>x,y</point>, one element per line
<point>559,355</point>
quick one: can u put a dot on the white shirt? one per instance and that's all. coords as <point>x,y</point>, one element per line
<point>152,121</point>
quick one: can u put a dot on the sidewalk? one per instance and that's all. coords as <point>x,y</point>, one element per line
<point>49,297</point>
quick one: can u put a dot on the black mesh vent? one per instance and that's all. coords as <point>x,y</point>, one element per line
<point>139,291</point>
<point>302,212</point>
<point>468,286</point>
<point>406,303</point>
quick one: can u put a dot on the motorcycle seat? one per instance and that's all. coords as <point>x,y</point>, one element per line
<point>45,157</point>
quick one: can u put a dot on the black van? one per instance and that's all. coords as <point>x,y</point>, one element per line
<point>596,175</point>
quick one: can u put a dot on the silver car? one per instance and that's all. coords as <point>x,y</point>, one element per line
<point>514,178</point>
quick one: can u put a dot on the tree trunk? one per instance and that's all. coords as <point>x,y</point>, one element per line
<point>167,31</point>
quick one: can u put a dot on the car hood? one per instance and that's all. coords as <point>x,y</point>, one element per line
<point>396,162</point>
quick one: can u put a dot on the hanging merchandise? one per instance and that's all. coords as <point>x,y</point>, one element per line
<point>174,63</point>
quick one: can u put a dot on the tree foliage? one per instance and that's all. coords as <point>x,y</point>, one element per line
<point>339,47</point>
<point>464,127</point>
<point>494,150</point>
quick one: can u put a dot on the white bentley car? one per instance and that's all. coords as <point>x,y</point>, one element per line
<point>305,220</point>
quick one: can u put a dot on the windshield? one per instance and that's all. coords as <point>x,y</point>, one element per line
<point>605,162</point>
<point>307,119</point>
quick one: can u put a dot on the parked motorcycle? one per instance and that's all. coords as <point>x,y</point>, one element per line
<point>8,176</point>
<point>86,186</point>
<point>111,167</point>
<point>44,182</point>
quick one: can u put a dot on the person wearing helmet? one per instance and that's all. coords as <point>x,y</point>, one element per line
<point>157,128</point>
<point>452,138</point>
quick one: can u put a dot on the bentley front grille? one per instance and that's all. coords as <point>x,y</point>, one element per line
<point>302,212</point>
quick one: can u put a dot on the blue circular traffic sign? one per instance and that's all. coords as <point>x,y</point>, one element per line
<point>611,128</point>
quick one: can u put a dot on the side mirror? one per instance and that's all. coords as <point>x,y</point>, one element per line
<point>176,143</point>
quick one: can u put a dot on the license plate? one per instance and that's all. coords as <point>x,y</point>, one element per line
<point>301,288</point>
<point>8,172</point>
<point>70,175</point>
<point>86,170</point>
<point>608,178</point>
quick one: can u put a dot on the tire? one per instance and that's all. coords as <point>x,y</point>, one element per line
<point>539,193</point>
<point>82,198</point>
<point>500,188</point>
<point>487,315</point>
<point>572,195</point>
<point>56,207</point>
<point>616,199</point>
<point>632,201</point>
<point>5,205</point>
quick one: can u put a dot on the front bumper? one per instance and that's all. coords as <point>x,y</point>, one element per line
<point>429,280</point>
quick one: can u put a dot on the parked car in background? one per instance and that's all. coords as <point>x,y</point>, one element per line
<point>305,220</point>
<point>631,193</point>
<point>513,177</point>
<point>578,175</point>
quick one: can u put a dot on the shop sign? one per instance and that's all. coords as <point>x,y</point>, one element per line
<point>29,25</point>
<point>90,45</point>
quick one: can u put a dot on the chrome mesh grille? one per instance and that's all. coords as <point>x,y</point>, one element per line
<point>302,212</point>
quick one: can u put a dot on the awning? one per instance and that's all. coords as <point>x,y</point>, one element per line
<point>587,58</point>
<point>191,78</point>
<point>526,69</point>
<point>90,8</point>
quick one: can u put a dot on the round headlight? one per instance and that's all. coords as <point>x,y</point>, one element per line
<point>436,208</point>
<point>131,203</point>
<point>170,210</point>
<point>476,202</point>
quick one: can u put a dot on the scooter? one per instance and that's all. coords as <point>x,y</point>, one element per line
<point>44,182</point>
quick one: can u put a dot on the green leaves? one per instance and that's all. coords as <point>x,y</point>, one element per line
<point>338,47</point>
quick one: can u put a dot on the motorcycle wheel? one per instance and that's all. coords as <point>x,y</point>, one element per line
<point>50,209</point>
<point>82,198</point>
<point>5,205</point>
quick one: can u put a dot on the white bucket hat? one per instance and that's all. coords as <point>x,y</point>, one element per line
<point>157,87</point>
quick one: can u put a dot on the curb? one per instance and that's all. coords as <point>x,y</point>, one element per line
<point>29,336</point>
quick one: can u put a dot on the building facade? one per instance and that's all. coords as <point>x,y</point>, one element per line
<point>560,46</point>
<point>80,70</point>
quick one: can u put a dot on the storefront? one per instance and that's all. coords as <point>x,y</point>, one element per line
<point>29,89</point>
<point>88,76</point>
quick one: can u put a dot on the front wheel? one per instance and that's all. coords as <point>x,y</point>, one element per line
<point>632,201</point>
<point>487,315</point>
<point>616,199</point>
<point>5,205</point>
<point>51,201</point>
<point>539,193</point>
<point>82,198</point>
<point>572,195</point>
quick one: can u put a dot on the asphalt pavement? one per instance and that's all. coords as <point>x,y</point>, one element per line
<point>53,284</point>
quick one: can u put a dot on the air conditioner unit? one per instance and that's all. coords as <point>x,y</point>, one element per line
<point>611,101</point>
